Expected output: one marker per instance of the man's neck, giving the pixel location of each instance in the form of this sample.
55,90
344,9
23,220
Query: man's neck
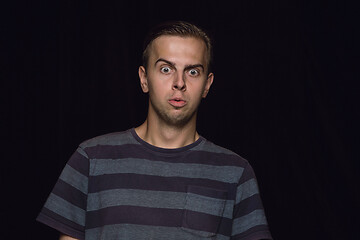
164,136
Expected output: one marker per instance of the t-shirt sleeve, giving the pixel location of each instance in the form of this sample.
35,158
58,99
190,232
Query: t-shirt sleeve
65,208
249,222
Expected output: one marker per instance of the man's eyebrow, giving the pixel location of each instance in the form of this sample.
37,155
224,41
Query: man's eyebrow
187,67
166,61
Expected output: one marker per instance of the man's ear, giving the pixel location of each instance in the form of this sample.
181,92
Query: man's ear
143,79
208,83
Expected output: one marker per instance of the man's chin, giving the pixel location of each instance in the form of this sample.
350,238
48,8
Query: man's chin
177,121
177,118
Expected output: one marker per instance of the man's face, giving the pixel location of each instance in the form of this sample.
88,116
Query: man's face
176,79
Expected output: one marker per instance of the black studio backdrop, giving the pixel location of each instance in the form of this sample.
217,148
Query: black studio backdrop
284,97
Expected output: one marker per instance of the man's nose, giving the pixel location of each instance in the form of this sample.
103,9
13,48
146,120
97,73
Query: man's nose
179,82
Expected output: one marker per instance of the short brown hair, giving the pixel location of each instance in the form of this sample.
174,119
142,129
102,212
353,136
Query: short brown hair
176,28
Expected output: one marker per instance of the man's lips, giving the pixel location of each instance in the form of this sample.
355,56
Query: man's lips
177,102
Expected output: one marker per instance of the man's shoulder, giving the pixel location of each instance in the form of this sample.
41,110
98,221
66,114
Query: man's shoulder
225,153
209,146
110,139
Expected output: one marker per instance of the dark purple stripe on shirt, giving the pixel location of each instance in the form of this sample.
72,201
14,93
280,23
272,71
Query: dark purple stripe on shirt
79,163
70,194
257,232
58,222
248,205
133,151
209,192
133,215
208,223
156,183
247,174
158,217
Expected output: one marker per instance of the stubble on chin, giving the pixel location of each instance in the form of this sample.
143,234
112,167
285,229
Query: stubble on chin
177,120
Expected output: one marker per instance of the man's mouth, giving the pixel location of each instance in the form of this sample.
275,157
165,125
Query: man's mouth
177,102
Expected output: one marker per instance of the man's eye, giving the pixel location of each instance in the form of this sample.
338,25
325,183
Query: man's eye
193,72
165,70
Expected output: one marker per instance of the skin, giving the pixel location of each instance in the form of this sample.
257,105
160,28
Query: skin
64,237
176,79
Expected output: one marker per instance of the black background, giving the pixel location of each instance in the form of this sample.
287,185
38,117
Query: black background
285,97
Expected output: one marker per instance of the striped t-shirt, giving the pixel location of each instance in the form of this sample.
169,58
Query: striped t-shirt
118,186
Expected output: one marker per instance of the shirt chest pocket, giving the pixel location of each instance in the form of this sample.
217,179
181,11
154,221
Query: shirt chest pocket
203,210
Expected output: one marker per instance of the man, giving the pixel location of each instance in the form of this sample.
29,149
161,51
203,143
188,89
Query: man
161,180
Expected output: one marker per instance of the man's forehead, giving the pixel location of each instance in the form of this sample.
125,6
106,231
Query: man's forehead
178,46
186,40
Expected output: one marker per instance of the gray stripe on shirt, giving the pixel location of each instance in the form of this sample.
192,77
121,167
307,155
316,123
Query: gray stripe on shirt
65,209
246,190
255,218
154,199
228,174
74,178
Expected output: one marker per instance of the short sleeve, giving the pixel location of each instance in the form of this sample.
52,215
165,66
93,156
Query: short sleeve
65,208
249,220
